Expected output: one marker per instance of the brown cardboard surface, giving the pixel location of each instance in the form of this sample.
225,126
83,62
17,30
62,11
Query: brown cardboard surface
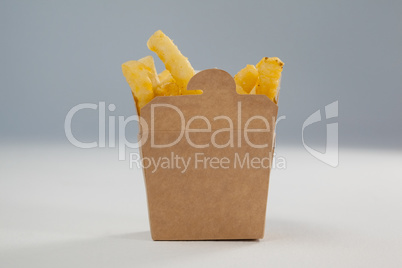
208,201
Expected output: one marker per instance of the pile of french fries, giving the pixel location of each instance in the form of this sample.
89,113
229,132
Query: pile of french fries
146,83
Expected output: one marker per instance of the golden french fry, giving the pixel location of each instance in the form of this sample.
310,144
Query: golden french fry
253,90
146,83
149,62
247,78
174,61
138,76
167,89
240,90
165,75
167,85
269,71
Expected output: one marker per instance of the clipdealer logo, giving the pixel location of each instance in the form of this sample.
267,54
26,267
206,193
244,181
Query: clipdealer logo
183,133
330,156
122,142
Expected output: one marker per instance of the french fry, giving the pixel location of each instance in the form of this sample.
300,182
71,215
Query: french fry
165,75
240,90
138,76
167,85
146,83
167,89
247,78
174,61
269,71
149,62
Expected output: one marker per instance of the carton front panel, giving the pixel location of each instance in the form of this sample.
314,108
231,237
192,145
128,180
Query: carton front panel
206,187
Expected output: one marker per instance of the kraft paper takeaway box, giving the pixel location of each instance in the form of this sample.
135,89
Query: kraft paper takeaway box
214,151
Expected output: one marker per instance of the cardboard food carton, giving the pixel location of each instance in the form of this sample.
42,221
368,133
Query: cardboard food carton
215,152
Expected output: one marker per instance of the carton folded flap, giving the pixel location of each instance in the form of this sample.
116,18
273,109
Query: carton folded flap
219,98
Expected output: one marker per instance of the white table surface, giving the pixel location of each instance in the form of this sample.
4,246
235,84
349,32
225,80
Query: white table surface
67,207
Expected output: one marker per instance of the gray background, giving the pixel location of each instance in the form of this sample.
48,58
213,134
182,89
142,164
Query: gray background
55,55
63,206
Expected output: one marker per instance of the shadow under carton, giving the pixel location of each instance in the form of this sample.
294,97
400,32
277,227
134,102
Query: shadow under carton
215,153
